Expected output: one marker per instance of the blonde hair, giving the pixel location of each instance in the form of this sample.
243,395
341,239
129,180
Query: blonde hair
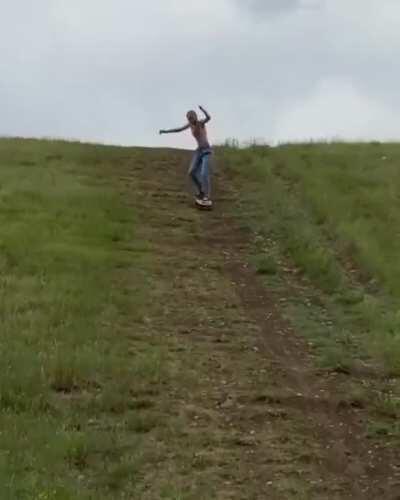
191,113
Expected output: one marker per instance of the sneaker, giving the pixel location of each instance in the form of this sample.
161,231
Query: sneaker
206,201
200,196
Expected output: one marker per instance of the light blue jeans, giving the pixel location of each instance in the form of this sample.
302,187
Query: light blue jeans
199,171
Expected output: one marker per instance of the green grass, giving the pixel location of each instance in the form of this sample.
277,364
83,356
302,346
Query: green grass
333,210
67,245
106,390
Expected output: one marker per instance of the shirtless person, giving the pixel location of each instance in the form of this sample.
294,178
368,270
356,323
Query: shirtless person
199,170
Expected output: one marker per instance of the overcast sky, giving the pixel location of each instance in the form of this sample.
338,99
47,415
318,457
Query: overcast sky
116,71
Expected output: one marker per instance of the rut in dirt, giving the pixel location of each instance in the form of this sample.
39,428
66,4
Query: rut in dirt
268,424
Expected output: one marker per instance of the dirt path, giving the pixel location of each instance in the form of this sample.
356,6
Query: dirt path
249,416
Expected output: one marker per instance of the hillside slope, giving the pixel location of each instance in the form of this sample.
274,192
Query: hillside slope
154,351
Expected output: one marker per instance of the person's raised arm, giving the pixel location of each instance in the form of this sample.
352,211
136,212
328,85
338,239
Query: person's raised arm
207,116
175,130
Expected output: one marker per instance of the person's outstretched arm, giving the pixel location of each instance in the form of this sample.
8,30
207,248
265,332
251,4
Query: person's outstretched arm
207,116
175,130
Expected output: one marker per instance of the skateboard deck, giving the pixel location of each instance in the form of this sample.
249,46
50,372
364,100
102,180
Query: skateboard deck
203,205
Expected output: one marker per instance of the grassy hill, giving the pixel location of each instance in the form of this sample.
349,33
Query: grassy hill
66,237
333,209
152,351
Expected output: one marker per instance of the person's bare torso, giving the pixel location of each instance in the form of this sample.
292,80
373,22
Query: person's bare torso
199,132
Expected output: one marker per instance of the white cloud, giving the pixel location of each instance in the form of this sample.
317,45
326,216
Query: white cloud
118,70
336,109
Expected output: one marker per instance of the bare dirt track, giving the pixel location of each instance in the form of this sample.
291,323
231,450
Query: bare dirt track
248,413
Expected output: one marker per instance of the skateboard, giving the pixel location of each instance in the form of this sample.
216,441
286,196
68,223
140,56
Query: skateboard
203,205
